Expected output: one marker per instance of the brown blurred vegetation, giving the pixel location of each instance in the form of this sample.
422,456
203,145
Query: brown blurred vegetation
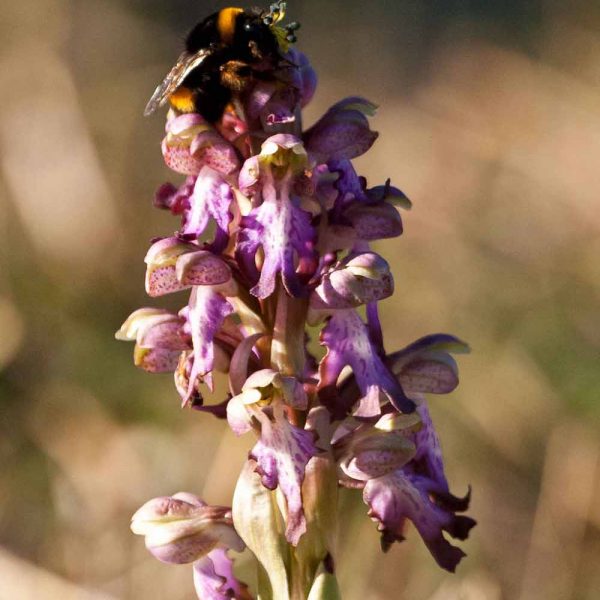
490,123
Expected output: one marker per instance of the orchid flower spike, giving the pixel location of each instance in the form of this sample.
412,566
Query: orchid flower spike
272,245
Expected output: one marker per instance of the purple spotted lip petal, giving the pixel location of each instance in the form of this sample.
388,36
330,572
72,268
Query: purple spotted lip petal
284,232
282,454
207,311
347,341
428,459
396,497
211,198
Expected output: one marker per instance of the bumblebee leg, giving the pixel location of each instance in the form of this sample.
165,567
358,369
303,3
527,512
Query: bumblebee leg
236,75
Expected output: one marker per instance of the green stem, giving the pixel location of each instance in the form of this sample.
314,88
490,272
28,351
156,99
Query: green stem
287,351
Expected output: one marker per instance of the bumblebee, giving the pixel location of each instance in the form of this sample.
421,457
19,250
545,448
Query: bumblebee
223,54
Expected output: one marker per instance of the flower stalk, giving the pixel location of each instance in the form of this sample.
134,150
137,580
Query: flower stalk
275,237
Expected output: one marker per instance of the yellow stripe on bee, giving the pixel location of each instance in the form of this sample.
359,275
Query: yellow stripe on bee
182,99
226,23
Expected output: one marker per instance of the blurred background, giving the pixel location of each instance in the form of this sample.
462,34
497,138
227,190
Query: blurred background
490,122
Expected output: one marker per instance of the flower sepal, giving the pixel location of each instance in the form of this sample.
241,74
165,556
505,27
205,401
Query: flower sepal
180,529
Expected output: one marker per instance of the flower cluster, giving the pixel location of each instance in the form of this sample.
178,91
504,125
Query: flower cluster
275,237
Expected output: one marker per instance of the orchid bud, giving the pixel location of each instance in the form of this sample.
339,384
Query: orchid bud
180,529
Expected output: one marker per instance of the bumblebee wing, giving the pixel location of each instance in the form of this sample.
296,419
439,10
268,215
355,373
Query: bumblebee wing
184,65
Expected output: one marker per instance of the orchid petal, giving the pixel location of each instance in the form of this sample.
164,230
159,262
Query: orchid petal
238,369
215,152
181,528
160,339
389,193
186,126
282,454
214,578
343,132
283,231
347,340
212,197
359,279
140,321
304,76
191,144
238,417
156,360
428,459
377,455
161,277
207,311
375,222
202,268
397,496
348,184
426,366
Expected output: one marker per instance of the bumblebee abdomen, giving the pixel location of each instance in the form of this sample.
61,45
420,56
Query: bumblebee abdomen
227,22
183,99
218,28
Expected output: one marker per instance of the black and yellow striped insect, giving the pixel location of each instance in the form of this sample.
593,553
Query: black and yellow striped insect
224,53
